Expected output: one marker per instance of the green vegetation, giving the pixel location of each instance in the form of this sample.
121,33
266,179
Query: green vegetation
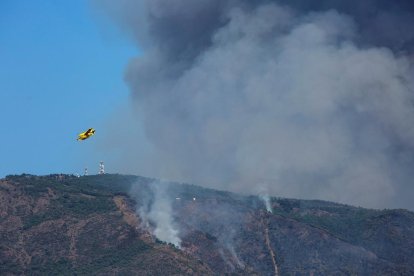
108,184
72,196
349,223
79,206
60,267
33,220
9,267
74,199
112,257
78,196
87,234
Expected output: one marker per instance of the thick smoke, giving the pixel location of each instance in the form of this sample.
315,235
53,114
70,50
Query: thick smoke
314,98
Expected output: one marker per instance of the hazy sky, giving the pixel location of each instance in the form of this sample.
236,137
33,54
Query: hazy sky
61,72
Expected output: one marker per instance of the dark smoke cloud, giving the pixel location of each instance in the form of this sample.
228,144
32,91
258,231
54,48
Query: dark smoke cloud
308,99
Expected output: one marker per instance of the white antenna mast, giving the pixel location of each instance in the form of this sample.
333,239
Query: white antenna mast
101,168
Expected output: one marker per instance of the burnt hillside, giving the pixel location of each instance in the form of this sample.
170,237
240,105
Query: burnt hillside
63,224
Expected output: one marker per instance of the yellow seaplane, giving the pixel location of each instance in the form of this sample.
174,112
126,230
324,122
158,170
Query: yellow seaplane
86,134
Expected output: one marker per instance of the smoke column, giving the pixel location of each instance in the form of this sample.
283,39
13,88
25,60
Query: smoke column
264,195
266,200
313,97
156,212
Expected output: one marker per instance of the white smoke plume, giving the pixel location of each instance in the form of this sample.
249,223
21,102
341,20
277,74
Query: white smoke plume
234,256
156,213
266,200
264,195
229,256
314,98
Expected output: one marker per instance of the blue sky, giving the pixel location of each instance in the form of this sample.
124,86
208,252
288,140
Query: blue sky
61,72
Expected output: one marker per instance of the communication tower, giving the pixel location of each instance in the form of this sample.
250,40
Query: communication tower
101,168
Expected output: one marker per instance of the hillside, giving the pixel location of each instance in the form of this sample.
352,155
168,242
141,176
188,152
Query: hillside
108,224
65,225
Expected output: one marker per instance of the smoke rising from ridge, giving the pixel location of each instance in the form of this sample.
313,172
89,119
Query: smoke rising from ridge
313,98
156,213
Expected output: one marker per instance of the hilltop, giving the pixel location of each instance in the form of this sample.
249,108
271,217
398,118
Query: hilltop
107,224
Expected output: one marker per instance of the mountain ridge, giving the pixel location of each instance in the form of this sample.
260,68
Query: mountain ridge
105,224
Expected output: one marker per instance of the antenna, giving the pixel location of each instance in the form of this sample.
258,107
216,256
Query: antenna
101,168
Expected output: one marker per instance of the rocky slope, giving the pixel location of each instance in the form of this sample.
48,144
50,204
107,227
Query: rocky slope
109,224
58,225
